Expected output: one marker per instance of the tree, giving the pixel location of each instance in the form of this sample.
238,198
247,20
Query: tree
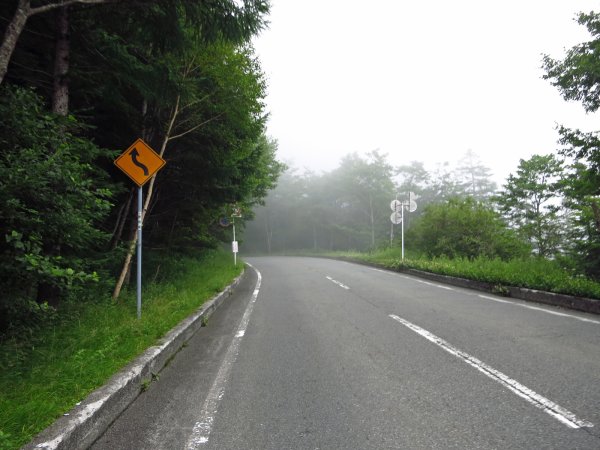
23,12
214,19
475,177
444,183
365,189
577,78
529,201
223,101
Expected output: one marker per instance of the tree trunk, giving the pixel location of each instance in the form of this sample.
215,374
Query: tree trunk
17,24
126,265
121,220
12,33
269,234
60,94
596,210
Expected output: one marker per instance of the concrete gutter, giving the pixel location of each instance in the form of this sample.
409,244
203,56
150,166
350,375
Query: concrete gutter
588,305
89,419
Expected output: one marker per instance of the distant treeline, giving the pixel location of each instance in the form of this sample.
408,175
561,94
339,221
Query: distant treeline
540,211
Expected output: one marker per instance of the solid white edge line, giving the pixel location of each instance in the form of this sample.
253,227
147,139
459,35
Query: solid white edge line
202,428
536,308
415,280
582,319
565,416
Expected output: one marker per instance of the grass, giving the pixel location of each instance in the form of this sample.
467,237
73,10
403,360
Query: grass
45,374
532,273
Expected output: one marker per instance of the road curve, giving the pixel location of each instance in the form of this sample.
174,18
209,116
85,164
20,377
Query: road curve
319,354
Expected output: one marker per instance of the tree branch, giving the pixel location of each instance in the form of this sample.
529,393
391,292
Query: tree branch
63,3
195,127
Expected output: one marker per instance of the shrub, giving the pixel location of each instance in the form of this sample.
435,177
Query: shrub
51,200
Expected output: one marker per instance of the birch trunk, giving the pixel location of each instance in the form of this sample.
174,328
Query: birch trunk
60,94
12,33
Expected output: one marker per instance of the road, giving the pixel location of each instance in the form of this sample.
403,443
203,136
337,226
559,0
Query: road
319,354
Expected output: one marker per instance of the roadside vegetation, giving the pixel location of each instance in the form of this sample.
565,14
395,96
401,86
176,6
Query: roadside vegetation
532,273
45,371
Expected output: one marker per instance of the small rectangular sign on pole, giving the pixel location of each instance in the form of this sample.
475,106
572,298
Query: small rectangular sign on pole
139,162
234,246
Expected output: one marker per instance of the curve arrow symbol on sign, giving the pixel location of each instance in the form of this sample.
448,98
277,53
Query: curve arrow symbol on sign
134,155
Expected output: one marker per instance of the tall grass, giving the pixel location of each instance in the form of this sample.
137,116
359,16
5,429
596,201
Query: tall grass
45,374
532,273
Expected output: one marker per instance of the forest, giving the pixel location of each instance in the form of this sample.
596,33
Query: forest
80,81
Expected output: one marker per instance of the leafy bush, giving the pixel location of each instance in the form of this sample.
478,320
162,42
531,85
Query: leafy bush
464,228
51,201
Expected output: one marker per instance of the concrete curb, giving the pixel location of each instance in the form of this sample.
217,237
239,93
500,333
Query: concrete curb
89,419
588,305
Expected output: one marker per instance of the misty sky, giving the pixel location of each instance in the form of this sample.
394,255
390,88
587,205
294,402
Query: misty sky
418,80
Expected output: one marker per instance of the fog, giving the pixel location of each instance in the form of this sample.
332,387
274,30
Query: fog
418,80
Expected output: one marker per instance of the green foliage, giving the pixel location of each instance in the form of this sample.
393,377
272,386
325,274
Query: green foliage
577,77
464,228
133,68
220,155
45,374
52,200
529,202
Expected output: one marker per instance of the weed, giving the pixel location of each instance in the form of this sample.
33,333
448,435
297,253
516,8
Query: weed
498,289
145,385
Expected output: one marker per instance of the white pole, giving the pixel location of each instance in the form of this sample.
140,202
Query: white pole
402,214
234,253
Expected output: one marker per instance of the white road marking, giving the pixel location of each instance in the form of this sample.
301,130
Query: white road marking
583,319
203,426
415,280
337,282
558,412
555,313
436,285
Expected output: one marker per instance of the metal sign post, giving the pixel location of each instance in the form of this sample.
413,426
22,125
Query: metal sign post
139,255
234,246
140,163
397,217
237,212
402,220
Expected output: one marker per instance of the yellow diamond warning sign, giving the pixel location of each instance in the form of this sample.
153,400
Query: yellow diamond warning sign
140,162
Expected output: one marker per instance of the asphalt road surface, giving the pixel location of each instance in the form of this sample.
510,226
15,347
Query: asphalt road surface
320,354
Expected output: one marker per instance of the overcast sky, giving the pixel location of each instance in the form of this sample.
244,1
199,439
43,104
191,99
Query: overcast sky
417,79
